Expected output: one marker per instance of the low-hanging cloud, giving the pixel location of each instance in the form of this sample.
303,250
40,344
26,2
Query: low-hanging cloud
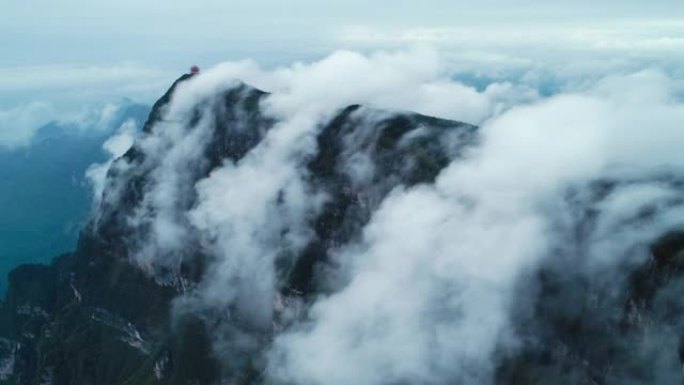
426,294
429,294
115,147
303,95
20,125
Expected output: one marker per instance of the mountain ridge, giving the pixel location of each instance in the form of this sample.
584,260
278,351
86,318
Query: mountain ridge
72,295
225,225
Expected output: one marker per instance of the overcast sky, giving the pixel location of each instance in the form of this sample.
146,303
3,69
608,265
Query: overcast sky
64,54
40,32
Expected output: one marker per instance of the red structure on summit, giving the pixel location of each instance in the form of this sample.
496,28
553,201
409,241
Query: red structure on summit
194,70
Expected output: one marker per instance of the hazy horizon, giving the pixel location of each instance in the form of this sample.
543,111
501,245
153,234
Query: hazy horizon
61,58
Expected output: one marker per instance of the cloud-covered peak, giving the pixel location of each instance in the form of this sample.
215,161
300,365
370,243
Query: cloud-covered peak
344,225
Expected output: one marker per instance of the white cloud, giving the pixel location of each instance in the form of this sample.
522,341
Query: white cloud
303,96
74,95
545,55
115,147
19,124
241,215
53,52
429,287
632,36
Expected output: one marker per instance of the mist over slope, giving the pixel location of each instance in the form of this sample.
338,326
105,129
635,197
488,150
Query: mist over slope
301,227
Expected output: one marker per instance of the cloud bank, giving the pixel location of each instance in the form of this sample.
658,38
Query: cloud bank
427,292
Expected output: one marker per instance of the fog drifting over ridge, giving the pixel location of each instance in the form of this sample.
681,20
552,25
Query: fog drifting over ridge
456,250
427,294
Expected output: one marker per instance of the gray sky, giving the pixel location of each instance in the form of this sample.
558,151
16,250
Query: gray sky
39,32
65,54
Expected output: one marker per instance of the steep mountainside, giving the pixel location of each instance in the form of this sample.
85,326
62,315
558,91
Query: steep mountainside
230,230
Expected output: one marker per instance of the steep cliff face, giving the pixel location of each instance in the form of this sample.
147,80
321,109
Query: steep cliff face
232,241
